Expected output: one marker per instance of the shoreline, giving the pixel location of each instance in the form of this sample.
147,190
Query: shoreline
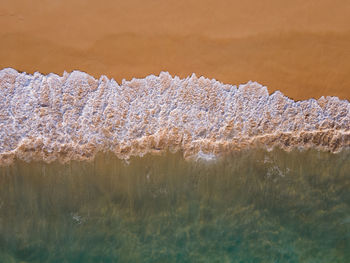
75,116
302,65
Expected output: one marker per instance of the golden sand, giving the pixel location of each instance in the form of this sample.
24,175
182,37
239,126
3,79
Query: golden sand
299,47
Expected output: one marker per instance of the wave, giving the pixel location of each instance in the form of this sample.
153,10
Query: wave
74,116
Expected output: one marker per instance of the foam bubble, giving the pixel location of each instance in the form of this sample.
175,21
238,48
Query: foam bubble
74,116
208,157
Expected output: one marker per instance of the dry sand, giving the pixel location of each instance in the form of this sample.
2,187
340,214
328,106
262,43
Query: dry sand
301,47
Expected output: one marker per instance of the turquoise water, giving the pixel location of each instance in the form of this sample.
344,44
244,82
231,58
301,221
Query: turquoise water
253,206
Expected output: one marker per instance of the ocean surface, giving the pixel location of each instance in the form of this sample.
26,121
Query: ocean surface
164,169
251,206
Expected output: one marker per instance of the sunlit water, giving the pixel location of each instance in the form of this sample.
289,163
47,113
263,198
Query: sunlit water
253,206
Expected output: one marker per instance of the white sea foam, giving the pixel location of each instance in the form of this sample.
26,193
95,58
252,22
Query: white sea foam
209,157
74,116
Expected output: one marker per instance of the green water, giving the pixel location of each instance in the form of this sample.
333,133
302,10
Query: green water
253,206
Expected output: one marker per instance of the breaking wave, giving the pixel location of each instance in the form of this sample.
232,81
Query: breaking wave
74,116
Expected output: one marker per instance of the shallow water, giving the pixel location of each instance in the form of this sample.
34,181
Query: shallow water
253,206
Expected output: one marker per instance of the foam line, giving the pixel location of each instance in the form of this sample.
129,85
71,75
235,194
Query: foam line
74,116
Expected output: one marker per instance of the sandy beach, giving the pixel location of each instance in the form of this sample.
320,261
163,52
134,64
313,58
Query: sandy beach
174,131
299,47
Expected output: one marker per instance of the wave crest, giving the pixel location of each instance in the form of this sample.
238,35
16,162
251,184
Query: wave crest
74,116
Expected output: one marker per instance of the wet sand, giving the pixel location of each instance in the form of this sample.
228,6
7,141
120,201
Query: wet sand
299,47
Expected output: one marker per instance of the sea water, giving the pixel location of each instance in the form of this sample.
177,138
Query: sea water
250,206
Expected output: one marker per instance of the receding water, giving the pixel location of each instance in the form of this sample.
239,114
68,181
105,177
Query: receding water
253,206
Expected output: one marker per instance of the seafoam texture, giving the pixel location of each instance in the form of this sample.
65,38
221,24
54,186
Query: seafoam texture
74,116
